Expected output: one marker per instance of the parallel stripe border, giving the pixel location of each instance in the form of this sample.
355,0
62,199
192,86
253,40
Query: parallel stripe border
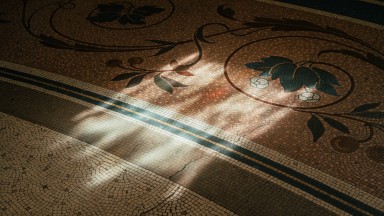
288,175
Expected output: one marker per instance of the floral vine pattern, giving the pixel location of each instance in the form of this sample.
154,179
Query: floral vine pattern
137,74
292,75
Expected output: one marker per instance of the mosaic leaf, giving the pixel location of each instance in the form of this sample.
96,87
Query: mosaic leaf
113,63
130,14
292,76
134,19
336,124
316,127
125,76
226,12
327,88
163,84
378,115
326,76
52,42
135,81
267,63
365,107
107,13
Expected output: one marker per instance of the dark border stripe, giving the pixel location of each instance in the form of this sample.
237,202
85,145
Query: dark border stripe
351,8
287,179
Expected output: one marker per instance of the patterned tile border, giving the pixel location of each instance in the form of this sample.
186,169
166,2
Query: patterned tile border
296,176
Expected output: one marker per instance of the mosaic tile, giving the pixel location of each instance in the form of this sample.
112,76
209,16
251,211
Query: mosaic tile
267,86
50,173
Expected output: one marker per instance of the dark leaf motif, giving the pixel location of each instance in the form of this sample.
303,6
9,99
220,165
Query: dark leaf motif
59,44
286,73
104,17
326,88
336,124
148,10
163,83
85,48
134,19
185,73
267,20
376,115
267,63
53,42
135,60
292,77
365,107
226,12
107,13
174,83
200,35
113,63
135,81
125,76
325,75
316,127
137,15
164,50
124,14
302,23
162,42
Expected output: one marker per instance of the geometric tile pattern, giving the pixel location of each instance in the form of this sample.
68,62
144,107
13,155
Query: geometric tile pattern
45,172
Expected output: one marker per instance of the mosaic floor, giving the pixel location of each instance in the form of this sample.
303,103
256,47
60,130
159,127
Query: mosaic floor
175,107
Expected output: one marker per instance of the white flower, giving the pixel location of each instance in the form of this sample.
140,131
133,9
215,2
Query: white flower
259,83
309,97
